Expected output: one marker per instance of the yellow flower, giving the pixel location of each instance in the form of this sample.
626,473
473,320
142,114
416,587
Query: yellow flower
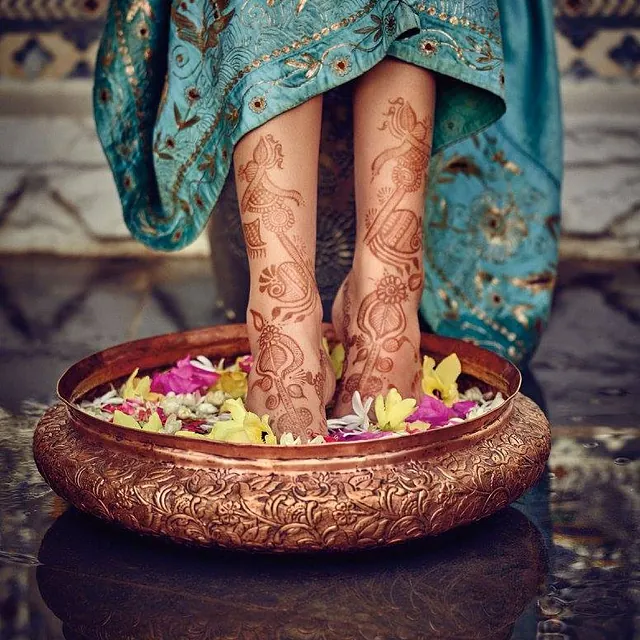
233,383
244,427
441,379
153,424
336,356
139,388
270,438
125,420
392,411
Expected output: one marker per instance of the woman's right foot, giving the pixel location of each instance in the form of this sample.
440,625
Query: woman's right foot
292,379
376,319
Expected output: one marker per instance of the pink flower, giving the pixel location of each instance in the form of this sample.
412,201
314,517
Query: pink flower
436,412
245,363
463,407
130,407
433,411
183,378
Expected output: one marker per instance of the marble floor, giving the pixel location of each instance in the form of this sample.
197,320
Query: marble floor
562,564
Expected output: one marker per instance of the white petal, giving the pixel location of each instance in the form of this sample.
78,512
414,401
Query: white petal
201,365
356,402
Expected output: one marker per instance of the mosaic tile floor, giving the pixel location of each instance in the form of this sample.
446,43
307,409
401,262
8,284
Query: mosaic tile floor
563,564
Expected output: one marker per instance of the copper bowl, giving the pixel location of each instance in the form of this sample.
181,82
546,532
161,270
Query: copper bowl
307,498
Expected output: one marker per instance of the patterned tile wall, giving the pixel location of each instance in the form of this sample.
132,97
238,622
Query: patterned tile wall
56,39
49,39
599,39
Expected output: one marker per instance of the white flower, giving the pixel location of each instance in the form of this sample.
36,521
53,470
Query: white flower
170,404
473,394
485,406
184,413
358,420
206,409
171,424
216,398
111,397
202,362
288,440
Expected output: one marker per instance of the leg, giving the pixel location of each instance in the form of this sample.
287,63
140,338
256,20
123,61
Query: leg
276,178
376,309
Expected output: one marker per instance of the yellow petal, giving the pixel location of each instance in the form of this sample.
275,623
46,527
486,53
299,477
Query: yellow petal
401,411
325,344
270,439
143,386
221,429
448,370
428,366
450,396
128,388
430,381
236,408
253,427
393,398
125,420
337,360
189,434
240,436
153,424
233,383
379,409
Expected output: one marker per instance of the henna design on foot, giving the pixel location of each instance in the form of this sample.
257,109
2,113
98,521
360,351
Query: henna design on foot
292,282
279,369
289,372
394,234
379,327
256,246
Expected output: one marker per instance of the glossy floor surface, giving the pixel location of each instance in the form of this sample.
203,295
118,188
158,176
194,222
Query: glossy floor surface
562,564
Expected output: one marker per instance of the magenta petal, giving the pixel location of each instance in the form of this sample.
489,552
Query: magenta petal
129,408
245,363
183,378
433,411
462,408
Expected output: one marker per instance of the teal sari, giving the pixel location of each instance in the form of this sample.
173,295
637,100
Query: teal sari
492,222
178,84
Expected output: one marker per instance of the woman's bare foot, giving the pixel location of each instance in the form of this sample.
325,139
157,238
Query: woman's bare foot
376,319
292,379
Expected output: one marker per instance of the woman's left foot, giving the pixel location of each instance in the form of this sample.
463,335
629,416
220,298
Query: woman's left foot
378,324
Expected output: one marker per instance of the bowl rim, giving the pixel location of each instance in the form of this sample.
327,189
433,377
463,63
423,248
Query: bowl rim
70,389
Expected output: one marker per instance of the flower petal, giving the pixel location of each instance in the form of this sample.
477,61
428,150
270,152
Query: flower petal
381,415
448,370
124,420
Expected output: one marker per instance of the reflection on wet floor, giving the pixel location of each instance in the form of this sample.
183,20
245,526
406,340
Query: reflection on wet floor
565,565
